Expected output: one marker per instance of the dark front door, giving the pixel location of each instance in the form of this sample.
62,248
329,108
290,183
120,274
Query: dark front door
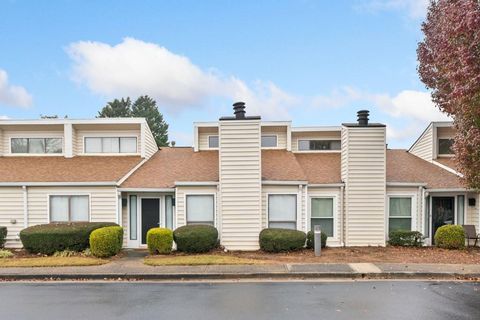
150,216
442,212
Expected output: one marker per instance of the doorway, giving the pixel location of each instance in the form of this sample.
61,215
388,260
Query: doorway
150,209
443,212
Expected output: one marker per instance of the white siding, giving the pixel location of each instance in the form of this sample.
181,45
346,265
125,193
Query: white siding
279,132
8,134
417,206
180,205
81,134
282,189
11,214
203,134
365,185
149,142
473,212
423,147
240,183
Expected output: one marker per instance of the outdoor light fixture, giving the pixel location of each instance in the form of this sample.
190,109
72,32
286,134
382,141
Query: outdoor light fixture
472,202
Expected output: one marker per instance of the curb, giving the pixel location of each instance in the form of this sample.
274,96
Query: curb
233,276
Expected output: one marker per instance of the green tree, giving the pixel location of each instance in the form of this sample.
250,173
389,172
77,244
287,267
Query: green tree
146,107
116,109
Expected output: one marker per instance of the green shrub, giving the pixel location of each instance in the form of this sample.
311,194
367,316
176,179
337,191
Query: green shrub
405,238
159,240
310,240
450,237
276,240
195,238
65,253
106,242
49,238
3,236
5,254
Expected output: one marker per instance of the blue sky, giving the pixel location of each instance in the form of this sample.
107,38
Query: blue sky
315,62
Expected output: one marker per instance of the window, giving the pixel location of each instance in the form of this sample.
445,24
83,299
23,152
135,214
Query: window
169,203
111,145
304,145
133,217
269,141
400,213
200,209
322,214
36,145
282,211
460,210
69,208
445,146
213,141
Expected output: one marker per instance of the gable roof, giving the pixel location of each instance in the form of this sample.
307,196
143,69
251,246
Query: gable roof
60,169
281,165
447,161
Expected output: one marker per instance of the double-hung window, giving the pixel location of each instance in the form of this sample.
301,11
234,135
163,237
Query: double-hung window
213,141
400,213
282,211
66,208
269,141
110,144
200,209
36,145
322,215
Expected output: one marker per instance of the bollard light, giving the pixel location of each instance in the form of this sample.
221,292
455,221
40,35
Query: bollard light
317,240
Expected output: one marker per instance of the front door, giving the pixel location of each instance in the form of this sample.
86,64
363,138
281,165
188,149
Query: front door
150,216
443,212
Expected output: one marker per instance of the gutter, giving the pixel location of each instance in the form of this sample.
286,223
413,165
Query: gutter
196,183
406,184
326,185
65,184
146,189
284,182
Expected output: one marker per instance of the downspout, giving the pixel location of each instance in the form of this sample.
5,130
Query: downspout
421,190
342,217
25,206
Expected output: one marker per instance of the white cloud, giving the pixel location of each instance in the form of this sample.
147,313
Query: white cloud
4,117
415,9
134,67
15,96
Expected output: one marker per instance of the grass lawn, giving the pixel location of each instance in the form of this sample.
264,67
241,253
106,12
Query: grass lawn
50,262
198,260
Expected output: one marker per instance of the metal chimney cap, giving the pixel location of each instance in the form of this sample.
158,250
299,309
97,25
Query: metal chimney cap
363,117
239,110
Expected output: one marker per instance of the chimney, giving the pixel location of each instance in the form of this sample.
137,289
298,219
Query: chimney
239,110
363,118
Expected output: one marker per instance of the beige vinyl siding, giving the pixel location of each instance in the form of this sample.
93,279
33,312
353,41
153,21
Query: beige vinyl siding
282,189
81,134
11,214
150,144
327,192
8,134
203,134
279,132
473,212
365,185
314,135
240,183
103,202
417,205
180,205
423,148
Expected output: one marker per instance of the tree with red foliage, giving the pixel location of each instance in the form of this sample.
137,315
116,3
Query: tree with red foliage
449,59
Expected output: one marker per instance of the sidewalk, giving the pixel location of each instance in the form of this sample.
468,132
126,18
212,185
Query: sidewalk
131,267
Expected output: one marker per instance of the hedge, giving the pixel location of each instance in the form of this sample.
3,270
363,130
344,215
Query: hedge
405,238
196,238
106,242
450,237
3,236
159,240
49,238
277,240
310,240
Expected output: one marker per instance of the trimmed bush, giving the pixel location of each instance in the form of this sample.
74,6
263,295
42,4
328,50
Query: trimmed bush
195,238
277,240
106,242
310,240
405,238
53,237
159,240
3,236
5,254
450,237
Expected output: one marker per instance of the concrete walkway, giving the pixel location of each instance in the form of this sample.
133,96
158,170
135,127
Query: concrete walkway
131,267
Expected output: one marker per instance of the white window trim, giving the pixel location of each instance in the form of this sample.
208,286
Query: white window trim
455,209
110,154
208,142
297,212
335,212
69,194
201,194
414,213
444,155
270,135
298,139
27,154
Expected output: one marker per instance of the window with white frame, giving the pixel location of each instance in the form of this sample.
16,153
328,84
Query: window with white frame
66,208
321,210
445,146
269,141
400,213
200,209
36,145
110,144
213,141
318,145
282,211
